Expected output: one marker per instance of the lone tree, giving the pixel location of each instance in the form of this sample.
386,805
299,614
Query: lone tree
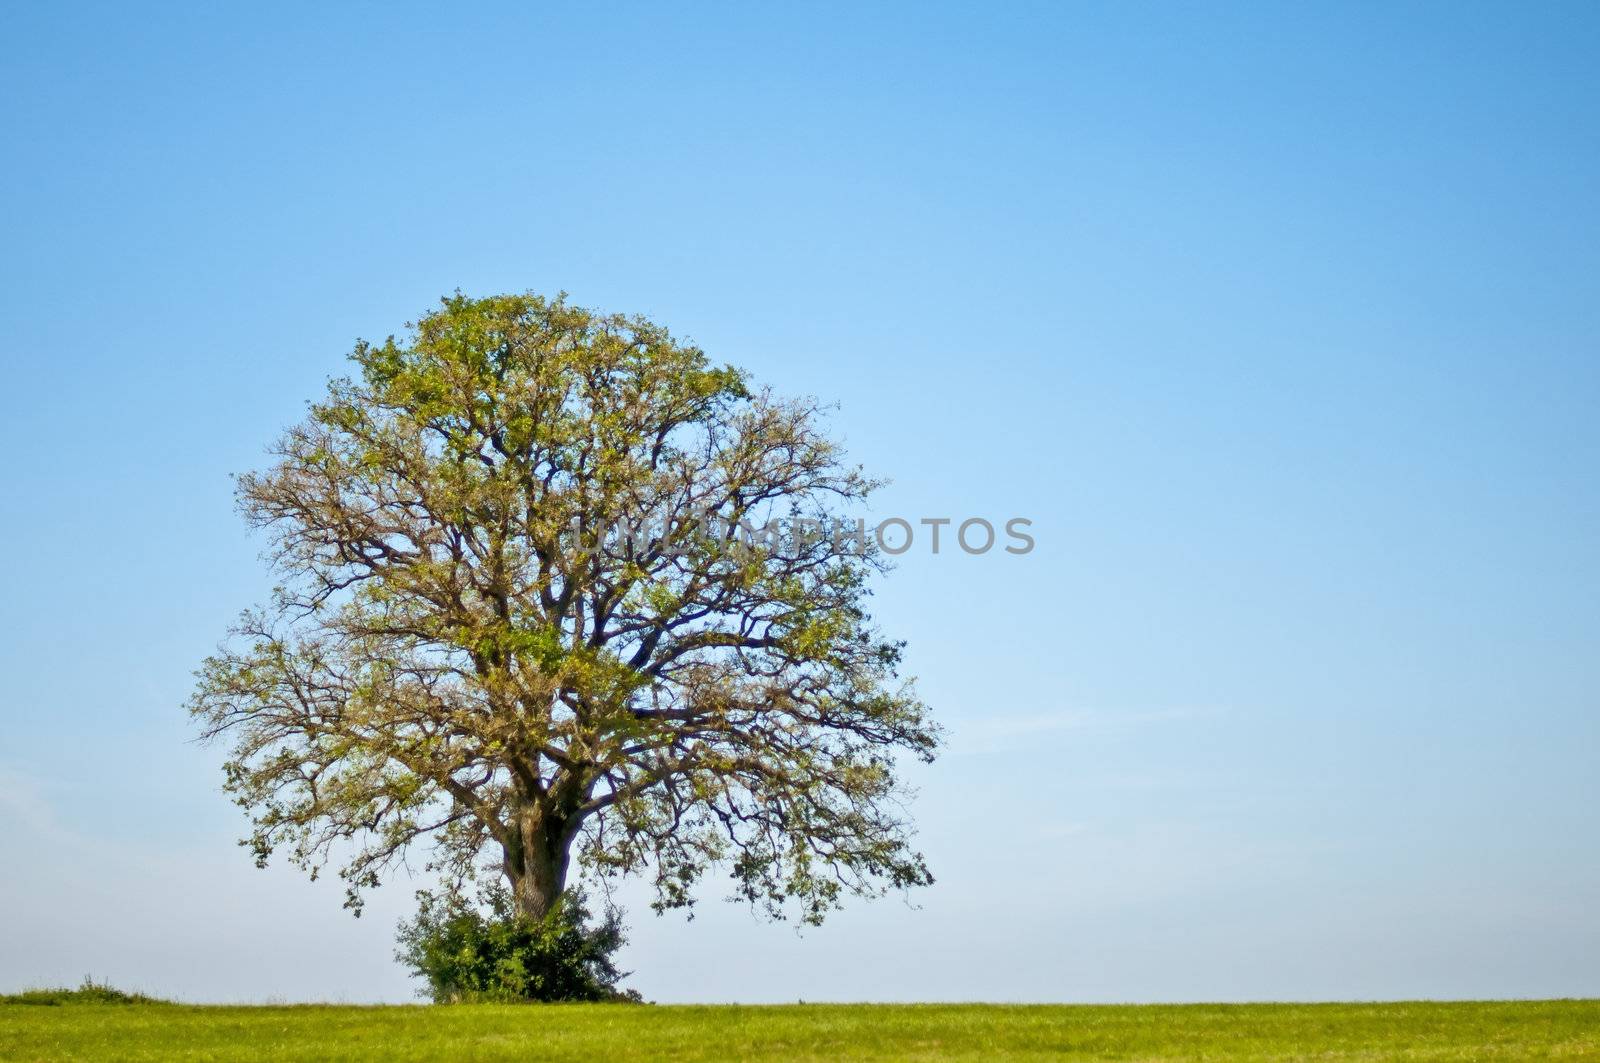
466,655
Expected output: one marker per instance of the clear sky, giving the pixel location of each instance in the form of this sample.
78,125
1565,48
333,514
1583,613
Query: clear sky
1279,321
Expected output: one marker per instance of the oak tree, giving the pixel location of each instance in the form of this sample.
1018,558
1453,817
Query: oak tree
513,624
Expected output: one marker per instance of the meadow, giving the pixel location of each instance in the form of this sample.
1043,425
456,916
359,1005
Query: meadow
70,1030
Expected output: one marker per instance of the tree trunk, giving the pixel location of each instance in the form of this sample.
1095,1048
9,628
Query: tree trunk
536,865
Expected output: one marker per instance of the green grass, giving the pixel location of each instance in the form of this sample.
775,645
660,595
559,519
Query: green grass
1565,1030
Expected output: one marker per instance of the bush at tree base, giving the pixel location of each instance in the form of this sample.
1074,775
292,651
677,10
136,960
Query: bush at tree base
485,953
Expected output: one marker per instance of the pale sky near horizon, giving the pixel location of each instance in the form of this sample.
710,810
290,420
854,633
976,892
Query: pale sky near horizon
1280,322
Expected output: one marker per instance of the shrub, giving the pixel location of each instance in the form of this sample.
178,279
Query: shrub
479,953
90,992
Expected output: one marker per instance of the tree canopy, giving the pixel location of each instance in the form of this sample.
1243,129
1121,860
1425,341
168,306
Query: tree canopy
466,657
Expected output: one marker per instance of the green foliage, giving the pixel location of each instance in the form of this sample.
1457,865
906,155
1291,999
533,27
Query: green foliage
90,992
504,631
486,953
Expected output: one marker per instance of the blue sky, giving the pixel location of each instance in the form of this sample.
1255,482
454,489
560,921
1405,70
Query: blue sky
1280,323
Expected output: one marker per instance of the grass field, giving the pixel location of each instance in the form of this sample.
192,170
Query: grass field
1422,1031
